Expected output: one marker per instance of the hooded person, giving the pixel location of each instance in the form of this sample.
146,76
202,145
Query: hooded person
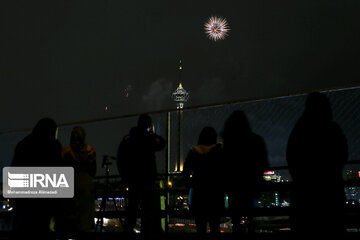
136,163
201,172
38,149
245,160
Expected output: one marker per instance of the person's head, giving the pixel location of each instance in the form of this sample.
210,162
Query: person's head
45,128
318,107
78,136
208,136
237,123
144,121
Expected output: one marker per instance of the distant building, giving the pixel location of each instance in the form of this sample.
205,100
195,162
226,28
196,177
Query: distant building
271,176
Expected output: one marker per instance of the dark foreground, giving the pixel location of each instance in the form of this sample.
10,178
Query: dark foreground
193,236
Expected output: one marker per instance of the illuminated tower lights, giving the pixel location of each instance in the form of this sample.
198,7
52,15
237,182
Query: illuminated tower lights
180,96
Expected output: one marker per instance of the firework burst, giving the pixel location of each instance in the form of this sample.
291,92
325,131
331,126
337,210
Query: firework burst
216,28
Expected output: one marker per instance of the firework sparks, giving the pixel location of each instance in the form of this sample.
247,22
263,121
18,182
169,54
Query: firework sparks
216,28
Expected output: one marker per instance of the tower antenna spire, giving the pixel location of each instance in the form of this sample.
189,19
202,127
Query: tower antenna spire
180,70
180,95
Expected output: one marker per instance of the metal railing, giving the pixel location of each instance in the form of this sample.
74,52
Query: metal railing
272,108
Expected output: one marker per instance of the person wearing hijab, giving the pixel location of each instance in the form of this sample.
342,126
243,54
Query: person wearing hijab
201,172
316,153
81,209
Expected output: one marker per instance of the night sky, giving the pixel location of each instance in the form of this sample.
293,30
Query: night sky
70,59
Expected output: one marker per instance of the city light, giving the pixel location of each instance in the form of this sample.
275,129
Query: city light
180,96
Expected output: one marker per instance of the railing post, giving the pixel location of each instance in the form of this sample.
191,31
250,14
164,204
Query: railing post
168,166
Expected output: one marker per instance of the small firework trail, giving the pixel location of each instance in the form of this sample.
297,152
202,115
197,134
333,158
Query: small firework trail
216,28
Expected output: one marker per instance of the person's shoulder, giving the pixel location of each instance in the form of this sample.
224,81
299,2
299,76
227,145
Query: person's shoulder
26,142
66,149
28,139
335,126
337,130
194,148
90,149
256,137
21,143
218,147
57,143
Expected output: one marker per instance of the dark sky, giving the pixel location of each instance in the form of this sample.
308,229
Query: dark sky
70,59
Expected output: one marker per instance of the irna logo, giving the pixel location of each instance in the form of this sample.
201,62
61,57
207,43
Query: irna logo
22,180
38,182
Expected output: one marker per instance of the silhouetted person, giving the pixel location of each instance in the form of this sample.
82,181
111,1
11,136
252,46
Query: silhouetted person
79,212
201,172
137,166
316,153
245,160
40,148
